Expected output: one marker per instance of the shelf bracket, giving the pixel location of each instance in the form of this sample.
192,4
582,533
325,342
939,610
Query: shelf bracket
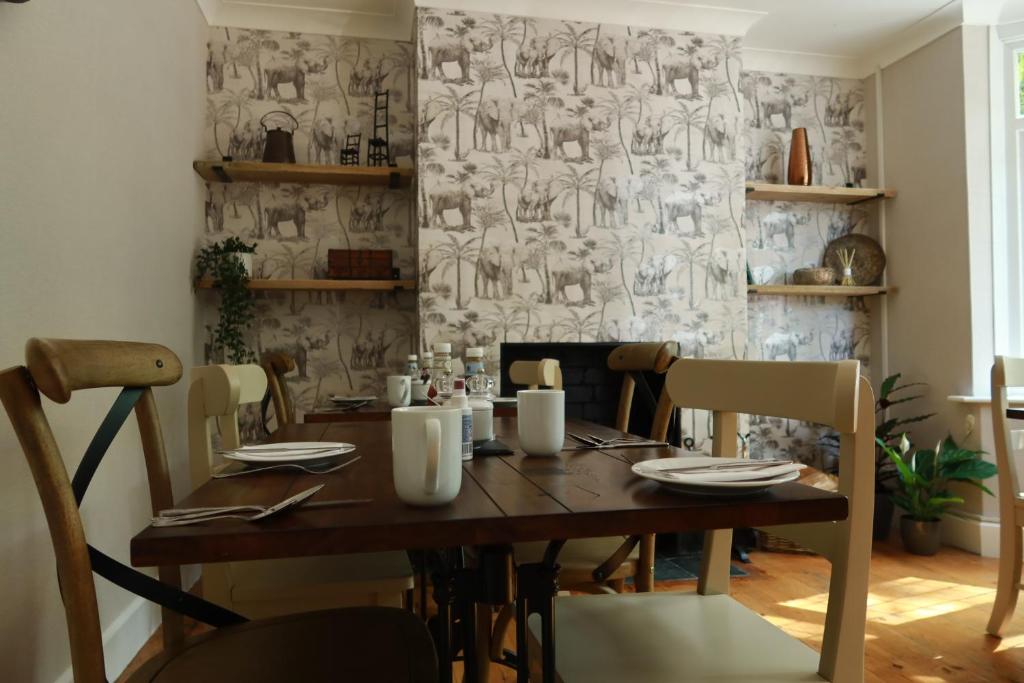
219,171
393,180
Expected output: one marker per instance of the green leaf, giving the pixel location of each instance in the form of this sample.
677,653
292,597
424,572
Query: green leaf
887,385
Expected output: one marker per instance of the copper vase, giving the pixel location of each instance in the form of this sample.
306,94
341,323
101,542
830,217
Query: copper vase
799,159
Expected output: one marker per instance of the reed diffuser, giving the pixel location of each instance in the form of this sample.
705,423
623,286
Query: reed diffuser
846,259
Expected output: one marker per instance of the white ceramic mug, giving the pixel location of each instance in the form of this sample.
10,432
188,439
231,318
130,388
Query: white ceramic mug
541,421
426,454
399,390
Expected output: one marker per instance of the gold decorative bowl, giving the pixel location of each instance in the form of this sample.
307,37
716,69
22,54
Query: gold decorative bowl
814,276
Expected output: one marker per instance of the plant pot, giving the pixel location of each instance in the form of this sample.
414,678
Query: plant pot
882,524
920,537
246,259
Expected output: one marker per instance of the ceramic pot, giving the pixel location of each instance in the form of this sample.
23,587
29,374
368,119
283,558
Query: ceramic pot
799,159
246,259
920,537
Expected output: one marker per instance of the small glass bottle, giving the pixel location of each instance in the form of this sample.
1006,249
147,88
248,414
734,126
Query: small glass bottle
474,360
441,377
412,366
427,366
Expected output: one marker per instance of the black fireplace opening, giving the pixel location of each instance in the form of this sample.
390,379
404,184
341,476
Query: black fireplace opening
591,389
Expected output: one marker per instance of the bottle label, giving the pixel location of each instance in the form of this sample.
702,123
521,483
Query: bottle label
467,436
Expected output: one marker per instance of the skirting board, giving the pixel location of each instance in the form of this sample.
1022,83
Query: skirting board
972,533
126,634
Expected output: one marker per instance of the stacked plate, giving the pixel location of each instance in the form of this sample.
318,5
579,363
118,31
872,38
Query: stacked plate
304,452
718,476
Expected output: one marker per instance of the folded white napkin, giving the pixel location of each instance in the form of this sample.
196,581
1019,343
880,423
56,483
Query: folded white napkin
730,475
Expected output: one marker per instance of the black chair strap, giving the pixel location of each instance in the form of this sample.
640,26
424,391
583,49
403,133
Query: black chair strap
119,574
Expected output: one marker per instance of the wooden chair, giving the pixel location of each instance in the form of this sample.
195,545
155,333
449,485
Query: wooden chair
276,365
1006,372
595,564
534,374
269,588
371,643
707,636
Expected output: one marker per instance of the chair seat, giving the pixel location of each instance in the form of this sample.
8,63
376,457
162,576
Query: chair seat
672,638
578,554
381,644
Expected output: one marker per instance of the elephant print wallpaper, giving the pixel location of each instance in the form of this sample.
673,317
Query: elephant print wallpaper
579,182
782,236
344,342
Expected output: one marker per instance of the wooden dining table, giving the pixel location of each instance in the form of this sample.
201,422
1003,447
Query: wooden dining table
581,492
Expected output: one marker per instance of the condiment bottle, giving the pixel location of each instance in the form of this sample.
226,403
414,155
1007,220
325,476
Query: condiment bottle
441,377
427,367
412,366
474,360
460,400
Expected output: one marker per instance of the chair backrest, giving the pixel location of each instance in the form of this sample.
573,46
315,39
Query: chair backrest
56,368
632,359
1007,372
831,394
536,373
277,365
215,393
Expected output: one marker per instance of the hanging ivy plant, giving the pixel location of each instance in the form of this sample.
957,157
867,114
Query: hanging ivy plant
219,262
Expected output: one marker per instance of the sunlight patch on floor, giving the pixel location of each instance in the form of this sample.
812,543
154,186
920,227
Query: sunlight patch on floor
911,598
1010,643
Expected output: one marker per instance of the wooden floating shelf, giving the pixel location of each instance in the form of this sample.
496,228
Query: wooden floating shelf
767,192
322,285
308,174
815,290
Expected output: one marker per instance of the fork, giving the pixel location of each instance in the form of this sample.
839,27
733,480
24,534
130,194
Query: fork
287,465
196,516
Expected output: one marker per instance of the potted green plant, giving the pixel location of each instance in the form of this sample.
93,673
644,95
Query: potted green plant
225,263
923,490
887,432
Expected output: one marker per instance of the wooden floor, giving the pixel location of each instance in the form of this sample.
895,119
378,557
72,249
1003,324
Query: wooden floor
926,616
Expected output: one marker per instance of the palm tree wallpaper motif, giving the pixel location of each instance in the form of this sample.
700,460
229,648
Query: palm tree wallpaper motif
342,342
574,187
782,237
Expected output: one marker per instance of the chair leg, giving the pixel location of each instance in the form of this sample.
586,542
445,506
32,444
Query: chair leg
714,563
644,579
1009,578
500,629
617,585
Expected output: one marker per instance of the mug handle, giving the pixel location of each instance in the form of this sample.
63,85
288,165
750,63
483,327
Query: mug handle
406,388
433,478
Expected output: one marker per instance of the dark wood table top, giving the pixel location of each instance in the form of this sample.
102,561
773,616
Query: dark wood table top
504,499
378,411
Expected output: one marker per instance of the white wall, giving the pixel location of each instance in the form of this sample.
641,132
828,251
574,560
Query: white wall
935,106
926,225
101,115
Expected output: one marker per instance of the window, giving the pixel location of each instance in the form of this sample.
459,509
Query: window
1007,84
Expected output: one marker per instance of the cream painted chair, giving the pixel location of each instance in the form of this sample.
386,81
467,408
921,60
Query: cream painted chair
707,636
534,374
268,588
1006,373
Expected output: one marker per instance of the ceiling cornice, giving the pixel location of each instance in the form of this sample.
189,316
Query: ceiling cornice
391,20
667,14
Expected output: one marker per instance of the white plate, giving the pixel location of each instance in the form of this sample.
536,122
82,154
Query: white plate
308,455
504,399
651,469
292,446
353,399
